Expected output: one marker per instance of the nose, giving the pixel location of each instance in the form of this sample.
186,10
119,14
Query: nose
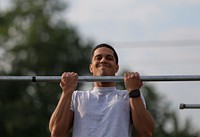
103,60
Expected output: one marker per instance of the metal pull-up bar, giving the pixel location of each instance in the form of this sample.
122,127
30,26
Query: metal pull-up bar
101,78
189,106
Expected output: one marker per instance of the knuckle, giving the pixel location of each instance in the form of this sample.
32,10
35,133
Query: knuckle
63,74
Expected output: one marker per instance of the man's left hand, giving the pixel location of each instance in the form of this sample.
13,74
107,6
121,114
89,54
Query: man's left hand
132,81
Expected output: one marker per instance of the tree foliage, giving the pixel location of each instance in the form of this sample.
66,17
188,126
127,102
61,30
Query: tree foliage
34,41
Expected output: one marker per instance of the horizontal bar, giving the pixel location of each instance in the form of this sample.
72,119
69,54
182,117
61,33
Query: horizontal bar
101,78
189,106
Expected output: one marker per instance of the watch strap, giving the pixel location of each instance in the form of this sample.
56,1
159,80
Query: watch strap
134,93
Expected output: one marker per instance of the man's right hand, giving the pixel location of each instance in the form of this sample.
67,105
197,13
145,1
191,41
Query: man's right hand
68,83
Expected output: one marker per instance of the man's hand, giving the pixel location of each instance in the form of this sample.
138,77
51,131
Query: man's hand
132,81
69,82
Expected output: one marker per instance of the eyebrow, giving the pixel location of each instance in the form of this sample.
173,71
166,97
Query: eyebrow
107,55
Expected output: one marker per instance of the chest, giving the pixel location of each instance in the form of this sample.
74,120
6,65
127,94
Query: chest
103,105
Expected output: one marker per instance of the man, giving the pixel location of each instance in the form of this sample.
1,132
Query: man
103,111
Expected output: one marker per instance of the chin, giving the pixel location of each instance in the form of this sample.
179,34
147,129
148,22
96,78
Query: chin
105,74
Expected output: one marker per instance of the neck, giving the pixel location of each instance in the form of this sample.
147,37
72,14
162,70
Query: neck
104,84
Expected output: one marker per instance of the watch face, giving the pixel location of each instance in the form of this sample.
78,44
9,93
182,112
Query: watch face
134,93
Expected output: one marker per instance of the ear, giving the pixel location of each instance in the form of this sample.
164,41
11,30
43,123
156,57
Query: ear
117,68
90,68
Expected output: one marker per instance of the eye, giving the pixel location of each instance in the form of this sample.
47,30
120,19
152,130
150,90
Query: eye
110,58
98,58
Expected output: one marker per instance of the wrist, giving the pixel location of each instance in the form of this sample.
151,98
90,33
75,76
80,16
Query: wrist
134,93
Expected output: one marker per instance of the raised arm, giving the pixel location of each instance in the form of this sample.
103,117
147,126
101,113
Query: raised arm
142,119
62,118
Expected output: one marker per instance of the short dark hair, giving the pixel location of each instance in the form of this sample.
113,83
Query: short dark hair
107,46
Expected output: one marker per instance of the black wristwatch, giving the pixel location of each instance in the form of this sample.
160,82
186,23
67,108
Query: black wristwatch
134,93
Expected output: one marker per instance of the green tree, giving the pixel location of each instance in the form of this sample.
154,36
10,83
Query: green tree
34,40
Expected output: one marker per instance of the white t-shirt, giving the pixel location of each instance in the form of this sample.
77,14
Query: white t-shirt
101,112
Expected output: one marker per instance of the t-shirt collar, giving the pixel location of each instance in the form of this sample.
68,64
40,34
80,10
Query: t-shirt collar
104,89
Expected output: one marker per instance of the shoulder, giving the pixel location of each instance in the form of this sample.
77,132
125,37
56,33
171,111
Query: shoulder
123,92
126,92
80,93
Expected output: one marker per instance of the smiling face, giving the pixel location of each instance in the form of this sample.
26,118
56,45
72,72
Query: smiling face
103,62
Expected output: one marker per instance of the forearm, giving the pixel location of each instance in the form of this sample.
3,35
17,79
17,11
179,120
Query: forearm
142,119
62,118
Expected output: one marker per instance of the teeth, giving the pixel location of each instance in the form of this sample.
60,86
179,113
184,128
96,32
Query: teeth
106,66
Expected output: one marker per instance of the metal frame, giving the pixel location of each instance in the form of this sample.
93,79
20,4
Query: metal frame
101,78
189,106
160,78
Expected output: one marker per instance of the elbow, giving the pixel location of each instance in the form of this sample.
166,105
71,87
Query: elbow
148,132
51,125
59,129
151,129
54,133
58,132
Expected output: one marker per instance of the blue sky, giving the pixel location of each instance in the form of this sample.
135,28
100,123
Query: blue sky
134,27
